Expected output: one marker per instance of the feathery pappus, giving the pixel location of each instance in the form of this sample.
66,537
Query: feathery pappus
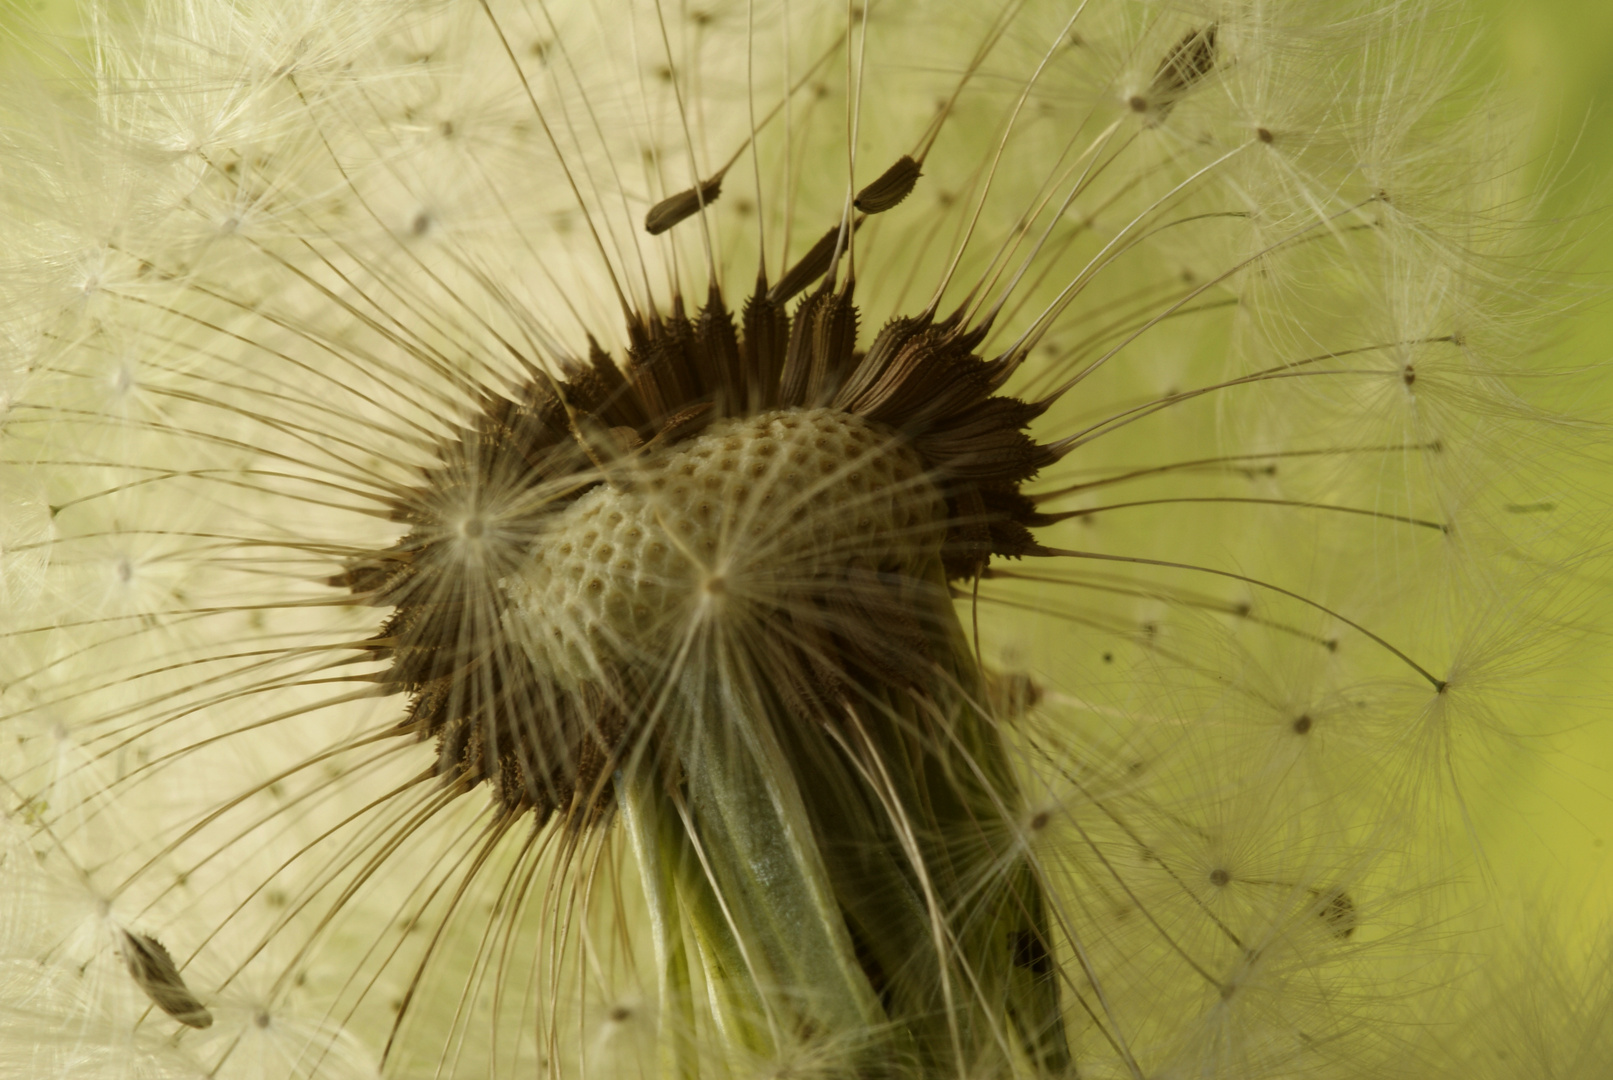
881,539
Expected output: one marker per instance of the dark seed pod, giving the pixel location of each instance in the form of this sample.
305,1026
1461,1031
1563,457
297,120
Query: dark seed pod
1337,910
893,185
674,208
154,971
1189,60
809,268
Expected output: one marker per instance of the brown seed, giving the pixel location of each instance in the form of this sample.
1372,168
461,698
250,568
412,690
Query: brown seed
154,971
1337,910
893,185
1188,61
809,268
674,208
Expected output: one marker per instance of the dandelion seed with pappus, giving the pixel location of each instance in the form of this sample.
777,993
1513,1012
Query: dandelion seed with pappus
771,539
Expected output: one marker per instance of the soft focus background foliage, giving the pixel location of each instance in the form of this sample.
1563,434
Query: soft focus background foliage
1551,828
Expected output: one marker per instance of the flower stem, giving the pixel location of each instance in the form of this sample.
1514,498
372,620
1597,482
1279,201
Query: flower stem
856,886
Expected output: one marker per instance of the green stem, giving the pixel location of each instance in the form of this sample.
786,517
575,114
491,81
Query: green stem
856,889
723,853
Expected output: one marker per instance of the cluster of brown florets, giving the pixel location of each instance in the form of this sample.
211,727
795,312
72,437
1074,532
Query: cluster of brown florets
537,449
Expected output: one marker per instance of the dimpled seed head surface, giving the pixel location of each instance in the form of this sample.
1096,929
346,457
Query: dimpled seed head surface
754,509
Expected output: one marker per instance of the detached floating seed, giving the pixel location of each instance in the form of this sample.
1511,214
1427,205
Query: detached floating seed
675,208
893,185
154,971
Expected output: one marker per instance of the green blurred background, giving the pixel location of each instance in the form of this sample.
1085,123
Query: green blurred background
1550,830
1555,59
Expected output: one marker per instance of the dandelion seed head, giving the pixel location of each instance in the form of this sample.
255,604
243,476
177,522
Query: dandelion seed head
1054,623
762,506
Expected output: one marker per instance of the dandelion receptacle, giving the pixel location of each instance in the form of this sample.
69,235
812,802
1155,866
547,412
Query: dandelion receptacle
773,539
